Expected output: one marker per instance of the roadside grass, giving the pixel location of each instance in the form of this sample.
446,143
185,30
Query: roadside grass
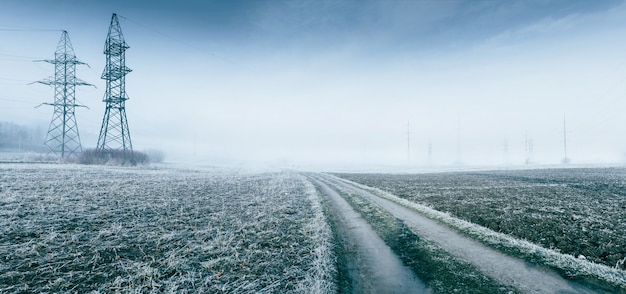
83,229
340,253
441,272
604,277
320,277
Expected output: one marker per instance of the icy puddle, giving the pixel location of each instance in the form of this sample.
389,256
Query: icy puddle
372,267
505,269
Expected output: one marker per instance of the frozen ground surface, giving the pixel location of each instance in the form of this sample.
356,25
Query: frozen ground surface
507,270
372,266
438,270
66,228
70,228
576,211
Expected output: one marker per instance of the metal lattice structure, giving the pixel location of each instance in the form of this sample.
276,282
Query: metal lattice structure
114,133
63,139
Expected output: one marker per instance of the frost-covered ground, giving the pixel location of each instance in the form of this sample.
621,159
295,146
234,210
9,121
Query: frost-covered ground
367,264
66,228
580,212
24,157
440,271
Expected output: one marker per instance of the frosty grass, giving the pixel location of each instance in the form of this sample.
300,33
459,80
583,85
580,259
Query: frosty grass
530,207
101,229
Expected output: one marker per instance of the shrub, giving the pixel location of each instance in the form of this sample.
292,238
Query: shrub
155,155
38,157
112,157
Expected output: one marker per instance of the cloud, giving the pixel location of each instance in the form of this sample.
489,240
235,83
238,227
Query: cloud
330,80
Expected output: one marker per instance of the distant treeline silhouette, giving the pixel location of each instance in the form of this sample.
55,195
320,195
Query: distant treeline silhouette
17,138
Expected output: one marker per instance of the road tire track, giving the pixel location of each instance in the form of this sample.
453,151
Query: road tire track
370,265
525,277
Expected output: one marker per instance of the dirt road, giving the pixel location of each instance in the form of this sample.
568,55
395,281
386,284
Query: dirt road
370,265
371,253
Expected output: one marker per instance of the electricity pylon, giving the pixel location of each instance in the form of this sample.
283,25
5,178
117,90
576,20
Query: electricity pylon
529,148
430,152
459,151
408,142
114,133
566,159
63,139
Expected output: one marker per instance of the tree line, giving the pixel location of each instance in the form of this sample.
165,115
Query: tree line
18,138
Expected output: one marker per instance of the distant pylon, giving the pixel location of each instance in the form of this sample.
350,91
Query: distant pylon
506,151
114,133
63,139
529,147
430,152
566,159
408,141
459,152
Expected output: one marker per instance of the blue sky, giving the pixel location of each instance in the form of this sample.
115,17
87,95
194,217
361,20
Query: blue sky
335,82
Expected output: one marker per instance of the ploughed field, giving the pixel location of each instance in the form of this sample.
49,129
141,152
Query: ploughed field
67,228
577,211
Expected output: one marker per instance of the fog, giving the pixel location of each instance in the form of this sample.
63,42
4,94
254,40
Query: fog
335,83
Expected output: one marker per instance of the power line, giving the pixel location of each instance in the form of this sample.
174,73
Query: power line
26,29
201,51
18,56
17,101
14,80
16,107
162,34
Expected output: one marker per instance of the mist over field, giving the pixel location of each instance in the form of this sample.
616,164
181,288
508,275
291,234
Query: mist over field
334,84
313,146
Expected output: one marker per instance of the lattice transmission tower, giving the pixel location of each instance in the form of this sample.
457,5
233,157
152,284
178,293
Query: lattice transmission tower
63,139
114,133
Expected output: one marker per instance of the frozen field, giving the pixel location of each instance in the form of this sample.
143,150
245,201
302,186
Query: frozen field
82,229
580,212
71,228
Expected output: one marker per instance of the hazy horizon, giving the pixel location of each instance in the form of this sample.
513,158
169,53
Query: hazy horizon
336,82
